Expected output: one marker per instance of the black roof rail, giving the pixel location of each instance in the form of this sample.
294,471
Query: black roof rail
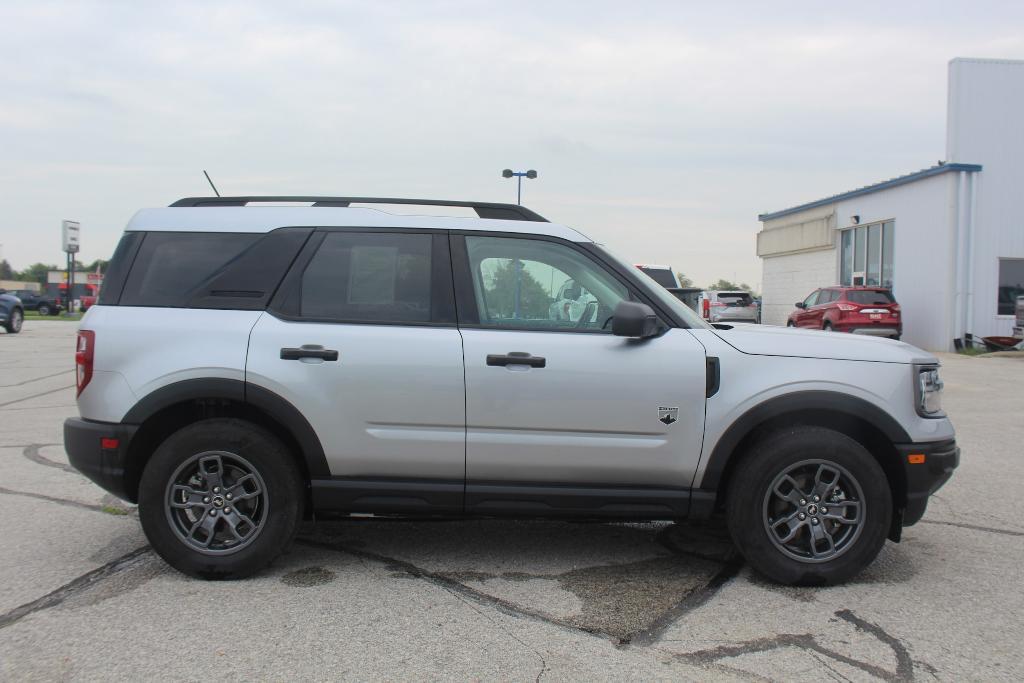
508,212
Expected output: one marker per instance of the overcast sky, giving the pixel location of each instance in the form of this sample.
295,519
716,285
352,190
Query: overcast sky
660,129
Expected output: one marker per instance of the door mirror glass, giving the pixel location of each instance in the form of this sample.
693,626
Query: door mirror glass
634,319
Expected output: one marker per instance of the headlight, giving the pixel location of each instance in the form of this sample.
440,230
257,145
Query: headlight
929,392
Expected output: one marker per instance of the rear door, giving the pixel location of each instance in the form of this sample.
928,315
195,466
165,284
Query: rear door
557,405
361,339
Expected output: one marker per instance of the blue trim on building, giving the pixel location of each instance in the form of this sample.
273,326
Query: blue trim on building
884,185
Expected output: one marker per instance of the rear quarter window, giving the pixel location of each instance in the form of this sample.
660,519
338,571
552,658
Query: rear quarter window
171,266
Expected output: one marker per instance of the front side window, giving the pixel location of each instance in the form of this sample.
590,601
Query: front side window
811,300
371,277
538,284
1011,284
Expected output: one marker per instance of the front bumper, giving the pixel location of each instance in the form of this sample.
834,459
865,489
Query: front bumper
99,450
928,476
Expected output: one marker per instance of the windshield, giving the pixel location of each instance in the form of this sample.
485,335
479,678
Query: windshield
663,296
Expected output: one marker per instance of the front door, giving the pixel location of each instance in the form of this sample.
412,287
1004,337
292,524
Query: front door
362,341
555,404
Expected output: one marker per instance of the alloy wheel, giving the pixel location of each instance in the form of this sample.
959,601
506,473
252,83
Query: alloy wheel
814,511
216,502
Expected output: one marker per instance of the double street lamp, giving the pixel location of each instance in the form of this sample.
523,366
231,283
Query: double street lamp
519,175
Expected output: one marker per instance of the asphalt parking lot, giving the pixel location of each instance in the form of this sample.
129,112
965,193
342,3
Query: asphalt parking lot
82,597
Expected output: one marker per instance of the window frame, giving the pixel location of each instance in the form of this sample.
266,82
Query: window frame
465,293
286,302
999,286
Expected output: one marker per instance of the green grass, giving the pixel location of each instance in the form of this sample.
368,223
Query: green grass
112,510
32,315
973,351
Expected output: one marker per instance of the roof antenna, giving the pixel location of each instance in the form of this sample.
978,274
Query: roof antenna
211,183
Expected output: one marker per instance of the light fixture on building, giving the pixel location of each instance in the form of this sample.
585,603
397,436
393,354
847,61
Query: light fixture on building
855,220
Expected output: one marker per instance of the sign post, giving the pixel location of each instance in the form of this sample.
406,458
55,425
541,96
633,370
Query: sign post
70,232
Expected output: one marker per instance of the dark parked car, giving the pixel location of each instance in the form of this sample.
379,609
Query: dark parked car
860,310
41,302
11,312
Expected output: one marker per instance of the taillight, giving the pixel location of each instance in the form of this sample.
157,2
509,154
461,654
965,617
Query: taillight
85,347
847,307
707,308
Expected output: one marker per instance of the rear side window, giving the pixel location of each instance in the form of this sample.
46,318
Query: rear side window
869,297
171,266
369,277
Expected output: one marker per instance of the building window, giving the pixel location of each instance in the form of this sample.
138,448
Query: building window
1011,284
866,255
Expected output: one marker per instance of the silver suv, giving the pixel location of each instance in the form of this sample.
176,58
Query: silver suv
250,366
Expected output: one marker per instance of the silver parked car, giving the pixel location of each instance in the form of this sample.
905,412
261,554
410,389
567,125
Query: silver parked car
729,307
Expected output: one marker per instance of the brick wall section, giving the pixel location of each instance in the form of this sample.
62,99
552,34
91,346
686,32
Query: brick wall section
790,278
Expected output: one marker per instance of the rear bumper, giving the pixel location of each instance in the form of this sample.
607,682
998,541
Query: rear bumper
880,331
924,479
84,442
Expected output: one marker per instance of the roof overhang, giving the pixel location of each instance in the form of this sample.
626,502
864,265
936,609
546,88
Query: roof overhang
884,185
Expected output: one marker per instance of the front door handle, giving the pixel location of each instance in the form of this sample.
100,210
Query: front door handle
309,351
516,358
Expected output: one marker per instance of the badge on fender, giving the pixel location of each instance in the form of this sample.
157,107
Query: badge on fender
668,415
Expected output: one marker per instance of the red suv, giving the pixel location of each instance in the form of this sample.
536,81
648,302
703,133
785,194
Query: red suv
860,310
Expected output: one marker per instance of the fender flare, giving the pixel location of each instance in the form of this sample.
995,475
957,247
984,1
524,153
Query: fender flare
241,392
830,401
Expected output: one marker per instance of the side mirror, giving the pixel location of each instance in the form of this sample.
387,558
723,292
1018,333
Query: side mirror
800,304
634,319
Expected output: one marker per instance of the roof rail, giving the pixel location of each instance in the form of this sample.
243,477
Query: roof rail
508,212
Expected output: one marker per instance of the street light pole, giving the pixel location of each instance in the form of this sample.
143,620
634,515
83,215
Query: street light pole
519,175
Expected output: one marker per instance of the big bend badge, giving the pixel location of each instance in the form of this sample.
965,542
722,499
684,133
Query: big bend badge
668,415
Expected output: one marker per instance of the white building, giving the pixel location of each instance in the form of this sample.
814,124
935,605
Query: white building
947,239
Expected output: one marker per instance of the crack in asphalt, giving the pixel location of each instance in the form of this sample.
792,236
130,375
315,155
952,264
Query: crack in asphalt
74,587
808,643
112,510
974,527
28,398
36,379
447,581
32,453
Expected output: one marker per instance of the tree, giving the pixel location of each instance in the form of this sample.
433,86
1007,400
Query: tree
684,281
723,284
98,263
6,272
500,293
37,272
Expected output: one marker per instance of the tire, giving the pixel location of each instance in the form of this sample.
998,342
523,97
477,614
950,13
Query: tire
751,503
14,322
251,463
44,309
790,323
827,326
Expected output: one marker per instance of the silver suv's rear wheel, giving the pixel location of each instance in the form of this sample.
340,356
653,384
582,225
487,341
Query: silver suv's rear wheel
220,499
809,505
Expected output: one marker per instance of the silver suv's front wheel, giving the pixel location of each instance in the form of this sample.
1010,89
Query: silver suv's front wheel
809,505
220,499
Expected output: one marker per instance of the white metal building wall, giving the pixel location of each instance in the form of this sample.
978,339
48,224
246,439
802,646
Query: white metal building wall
985,114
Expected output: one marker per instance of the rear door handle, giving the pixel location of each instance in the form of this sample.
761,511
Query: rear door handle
516,358
309,351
